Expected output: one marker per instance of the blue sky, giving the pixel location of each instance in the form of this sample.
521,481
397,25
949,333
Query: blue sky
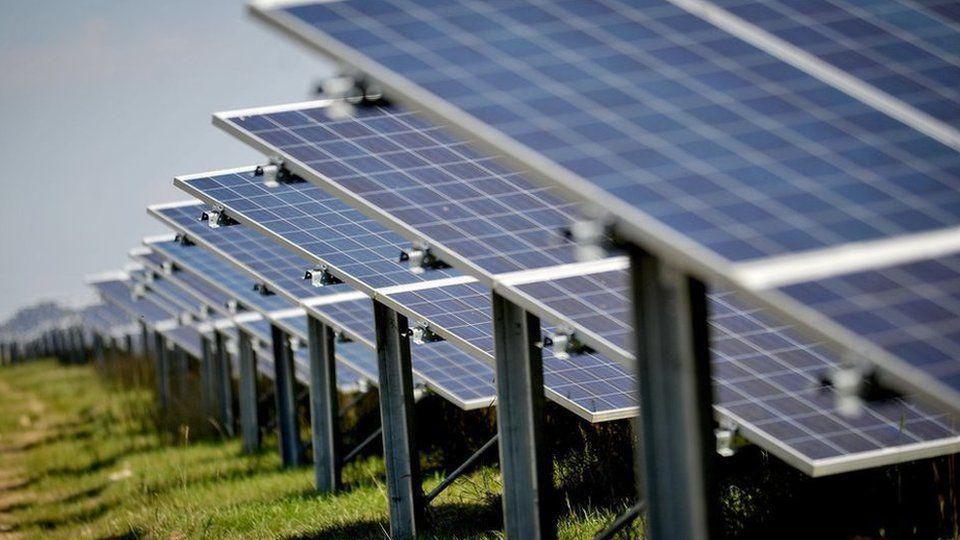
102,103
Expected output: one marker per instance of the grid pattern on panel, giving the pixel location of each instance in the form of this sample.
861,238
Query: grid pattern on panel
359,355
187,338
315,223
767,375
295,326
764,373
355,317
912,310
908,50
446,367
591,381
422,176
172,292
598,302
259,329
276,265
118,292
464,310
199,286
112,315
256,253
167,305
454,371
711,136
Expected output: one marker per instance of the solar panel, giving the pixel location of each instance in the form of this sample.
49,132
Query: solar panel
906,49
186,337
704,148
419,176
249,199
910,310
210,294
238,284
711,136
118,291
320,223
104,319
593,386
768,377
252,252
183,299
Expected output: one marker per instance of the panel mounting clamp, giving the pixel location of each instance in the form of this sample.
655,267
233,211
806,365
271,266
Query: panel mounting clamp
321,277
421,259
728,437
564,343
217,217
273,172
263,289
422,333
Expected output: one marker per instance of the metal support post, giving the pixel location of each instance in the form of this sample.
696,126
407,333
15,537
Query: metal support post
247,388
207,388
162,369
525,466
324,414
223,380
145,339
290,443
675,400
404,489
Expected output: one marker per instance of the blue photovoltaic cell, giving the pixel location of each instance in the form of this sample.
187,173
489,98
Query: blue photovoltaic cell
118,292
769,376
911,310
318,224
201,287
598,302
187,338
743,153
595,385
248,248
347,376
909,50
103,318
175,294
229,242
354,317
428,180
765,374
111,315
448,369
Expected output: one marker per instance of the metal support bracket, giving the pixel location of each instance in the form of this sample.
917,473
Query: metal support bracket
290,444
420,259
321,277
404,488
525,466
324,404
676,395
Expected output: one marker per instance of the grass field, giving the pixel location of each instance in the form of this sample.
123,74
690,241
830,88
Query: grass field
80,458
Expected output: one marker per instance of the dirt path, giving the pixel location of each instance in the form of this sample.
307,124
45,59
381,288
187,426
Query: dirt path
14,479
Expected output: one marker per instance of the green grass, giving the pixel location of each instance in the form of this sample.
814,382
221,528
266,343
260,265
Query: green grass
80,458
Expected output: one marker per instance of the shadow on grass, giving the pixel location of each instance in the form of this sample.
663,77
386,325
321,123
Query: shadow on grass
443,521
81,516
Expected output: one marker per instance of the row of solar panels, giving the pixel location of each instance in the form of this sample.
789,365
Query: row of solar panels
803,152
767,376
718,156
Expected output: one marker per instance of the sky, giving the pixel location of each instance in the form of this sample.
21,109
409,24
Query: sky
102,103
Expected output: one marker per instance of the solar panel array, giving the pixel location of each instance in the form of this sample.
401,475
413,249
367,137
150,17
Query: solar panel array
711,140
702,146
250,251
